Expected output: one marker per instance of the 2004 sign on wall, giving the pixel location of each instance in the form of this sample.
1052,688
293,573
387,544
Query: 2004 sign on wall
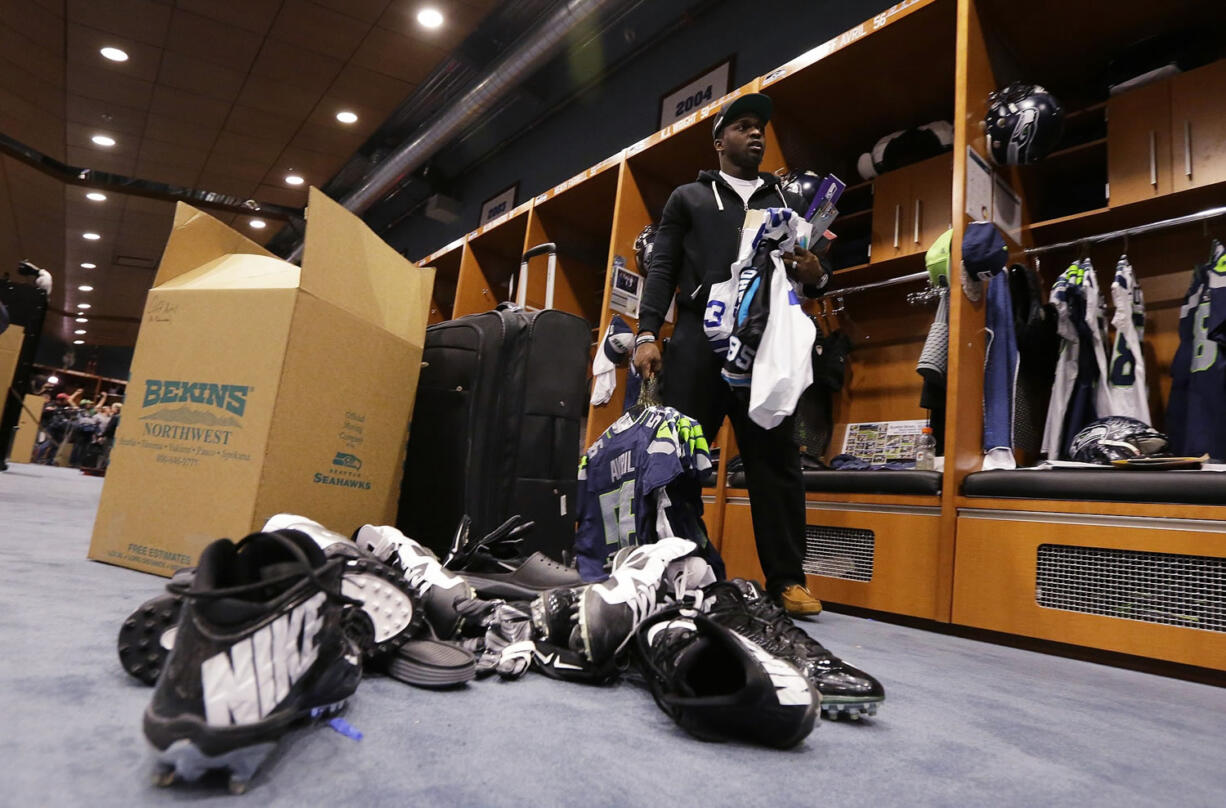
712,84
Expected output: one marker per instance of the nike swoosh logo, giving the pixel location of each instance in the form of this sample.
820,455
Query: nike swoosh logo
552,660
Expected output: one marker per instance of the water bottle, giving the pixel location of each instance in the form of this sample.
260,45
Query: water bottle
925,449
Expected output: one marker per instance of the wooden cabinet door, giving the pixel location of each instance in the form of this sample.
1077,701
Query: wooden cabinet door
1139,143
932,200
891,215
1198,127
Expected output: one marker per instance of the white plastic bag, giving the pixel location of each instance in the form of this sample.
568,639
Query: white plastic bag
783,366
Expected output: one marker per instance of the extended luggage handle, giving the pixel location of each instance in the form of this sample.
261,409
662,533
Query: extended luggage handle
519,290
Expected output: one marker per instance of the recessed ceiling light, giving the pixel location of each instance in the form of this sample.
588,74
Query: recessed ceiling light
256,224
293,179
347,117
94,196
103,140
88,265
79,331
82,319
430,17
90,236
85,288
78,342
114,54
83,306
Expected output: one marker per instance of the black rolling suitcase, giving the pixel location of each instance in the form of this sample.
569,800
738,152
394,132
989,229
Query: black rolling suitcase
496,427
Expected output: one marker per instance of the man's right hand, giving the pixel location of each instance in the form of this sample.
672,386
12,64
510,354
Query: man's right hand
647,359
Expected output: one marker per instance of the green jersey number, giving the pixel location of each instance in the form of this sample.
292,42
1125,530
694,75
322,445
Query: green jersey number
617,509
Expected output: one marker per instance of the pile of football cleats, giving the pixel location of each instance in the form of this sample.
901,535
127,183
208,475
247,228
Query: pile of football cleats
280,626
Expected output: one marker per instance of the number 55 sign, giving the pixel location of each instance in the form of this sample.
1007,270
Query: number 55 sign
712,84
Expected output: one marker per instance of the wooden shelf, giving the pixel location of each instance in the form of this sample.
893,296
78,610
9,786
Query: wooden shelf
1101,220
1101,106
875,271
1080,147
849,217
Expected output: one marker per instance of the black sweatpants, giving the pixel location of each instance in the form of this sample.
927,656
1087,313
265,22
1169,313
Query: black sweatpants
692,384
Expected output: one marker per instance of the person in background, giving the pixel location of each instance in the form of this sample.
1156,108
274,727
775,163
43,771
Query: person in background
695,245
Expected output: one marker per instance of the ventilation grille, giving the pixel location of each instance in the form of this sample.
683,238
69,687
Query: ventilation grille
1174,590
840,552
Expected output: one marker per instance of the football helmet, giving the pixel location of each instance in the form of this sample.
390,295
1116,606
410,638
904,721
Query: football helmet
1117,437
1024,123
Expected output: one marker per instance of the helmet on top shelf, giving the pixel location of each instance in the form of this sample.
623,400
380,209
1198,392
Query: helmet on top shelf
1024,123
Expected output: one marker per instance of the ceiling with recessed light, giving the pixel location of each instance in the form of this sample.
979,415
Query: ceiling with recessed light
232,97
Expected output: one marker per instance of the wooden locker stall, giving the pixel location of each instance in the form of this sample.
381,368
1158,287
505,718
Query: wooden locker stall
1133,564
577,216
629,217
490,260
873,539
446,263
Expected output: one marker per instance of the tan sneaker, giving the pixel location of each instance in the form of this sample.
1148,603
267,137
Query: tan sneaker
798,600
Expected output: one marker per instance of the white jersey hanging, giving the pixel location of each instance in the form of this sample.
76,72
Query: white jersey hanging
1096,318
1066,368
1127,378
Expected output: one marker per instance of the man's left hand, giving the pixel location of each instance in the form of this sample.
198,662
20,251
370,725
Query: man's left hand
803,266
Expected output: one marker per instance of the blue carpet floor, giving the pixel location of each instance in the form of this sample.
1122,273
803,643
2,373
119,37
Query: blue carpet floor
965,723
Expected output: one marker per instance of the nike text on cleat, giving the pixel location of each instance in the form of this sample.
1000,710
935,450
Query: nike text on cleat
261,643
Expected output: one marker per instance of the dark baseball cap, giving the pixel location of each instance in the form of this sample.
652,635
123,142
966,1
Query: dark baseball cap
984,254
755,103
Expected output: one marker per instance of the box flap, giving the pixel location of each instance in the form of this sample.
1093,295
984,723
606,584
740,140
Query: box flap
197,238
239,272
346,264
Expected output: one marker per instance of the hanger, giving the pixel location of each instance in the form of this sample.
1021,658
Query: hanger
649,396
924,296
849,326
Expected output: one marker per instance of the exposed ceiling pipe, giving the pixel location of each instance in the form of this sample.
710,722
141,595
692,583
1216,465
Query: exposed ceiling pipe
530,55
120,184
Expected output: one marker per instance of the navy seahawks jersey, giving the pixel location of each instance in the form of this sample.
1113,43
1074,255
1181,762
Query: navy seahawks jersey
1198,372
623,479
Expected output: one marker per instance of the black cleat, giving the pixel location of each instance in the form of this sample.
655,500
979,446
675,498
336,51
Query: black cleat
261,643
147,635
717,685
610,610
743,607
440,591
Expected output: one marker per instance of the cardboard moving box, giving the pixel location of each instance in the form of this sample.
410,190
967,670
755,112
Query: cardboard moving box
27,429
259,388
